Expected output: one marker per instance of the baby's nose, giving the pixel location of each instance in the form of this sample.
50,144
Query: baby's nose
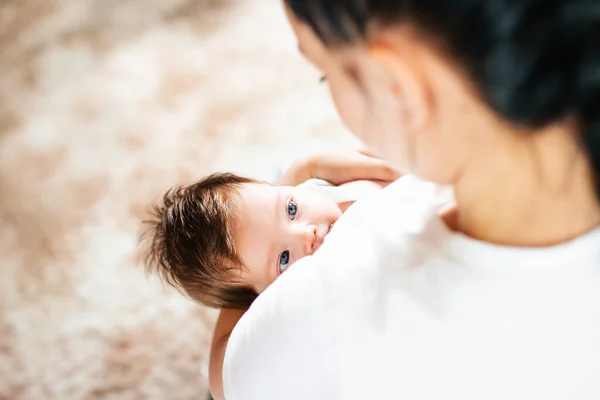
308,237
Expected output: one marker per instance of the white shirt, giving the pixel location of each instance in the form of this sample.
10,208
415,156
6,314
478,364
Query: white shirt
395,306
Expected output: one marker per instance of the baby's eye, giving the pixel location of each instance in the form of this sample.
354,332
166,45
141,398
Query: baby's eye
284,260
292,209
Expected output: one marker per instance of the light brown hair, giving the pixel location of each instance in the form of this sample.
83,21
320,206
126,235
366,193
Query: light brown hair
191,244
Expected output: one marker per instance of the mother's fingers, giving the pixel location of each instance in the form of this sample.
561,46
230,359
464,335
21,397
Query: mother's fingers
383,184
338,167
367,152
371,168
384,171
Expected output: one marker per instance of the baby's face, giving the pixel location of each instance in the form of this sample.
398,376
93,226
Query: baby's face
278,225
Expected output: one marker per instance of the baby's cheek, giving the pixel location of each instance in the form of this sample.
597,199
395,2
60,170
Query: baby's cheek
336,216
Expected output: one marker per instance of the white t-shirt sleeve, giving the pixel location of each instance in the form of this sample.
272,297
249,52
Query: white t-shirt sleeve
279,349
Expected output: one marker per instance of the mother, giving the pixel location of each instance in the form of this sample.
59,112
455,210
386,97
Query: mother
499,298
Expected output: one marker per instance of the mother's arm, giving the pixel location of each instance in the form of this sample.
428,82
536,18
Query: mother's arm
227,320
338,167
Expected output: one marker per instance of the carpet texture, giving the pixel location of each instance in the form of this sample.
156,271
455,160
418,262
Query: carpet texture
104,104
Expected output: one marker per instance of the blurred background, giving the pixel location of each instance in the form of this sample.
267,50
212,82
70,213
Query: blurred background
105,104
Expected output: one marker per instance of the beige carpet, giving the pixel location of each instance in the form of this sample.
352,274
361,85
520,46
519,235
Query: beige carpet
104,104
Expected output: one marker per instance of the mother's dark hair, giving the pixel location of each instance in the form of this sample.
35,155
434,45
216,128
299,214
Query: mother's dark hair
535,62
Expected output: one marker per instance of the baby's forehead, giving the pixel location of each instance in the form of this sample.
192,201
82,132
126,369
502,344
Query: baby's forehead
258,203
257,194
258,221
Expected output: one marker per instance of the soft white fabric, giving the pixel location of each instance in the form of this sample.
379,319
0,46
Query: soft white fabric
394,306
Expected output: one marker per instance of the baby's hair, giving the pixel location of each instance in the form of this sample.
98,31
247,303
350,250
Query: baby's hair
191,244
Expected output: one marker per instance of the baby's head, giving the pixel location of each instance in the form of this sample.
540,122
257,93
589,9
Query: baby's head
224,239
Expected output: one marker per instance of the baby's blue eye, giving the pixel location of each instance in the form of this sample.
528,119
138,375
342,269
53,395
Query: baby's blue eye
284,260
292,209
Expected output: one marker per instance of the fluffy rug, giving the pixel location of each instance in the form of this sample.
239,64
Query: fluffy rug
104,104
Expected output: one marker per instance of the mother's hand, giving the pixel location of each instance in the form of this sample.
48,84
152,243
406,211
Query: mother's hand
340,166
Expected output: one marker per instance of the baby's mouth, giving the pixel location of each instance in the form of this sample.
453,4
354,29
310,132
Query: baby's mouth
318,241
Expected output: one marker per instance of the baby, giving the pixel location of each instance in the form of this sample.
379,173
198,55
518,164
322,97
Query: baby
226,238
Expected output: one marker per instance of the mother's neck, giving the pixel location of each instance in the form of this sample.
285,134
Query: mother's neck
535,191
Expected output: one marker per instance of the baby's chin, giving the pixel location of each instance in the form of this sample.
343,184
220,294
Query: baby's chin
328,230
